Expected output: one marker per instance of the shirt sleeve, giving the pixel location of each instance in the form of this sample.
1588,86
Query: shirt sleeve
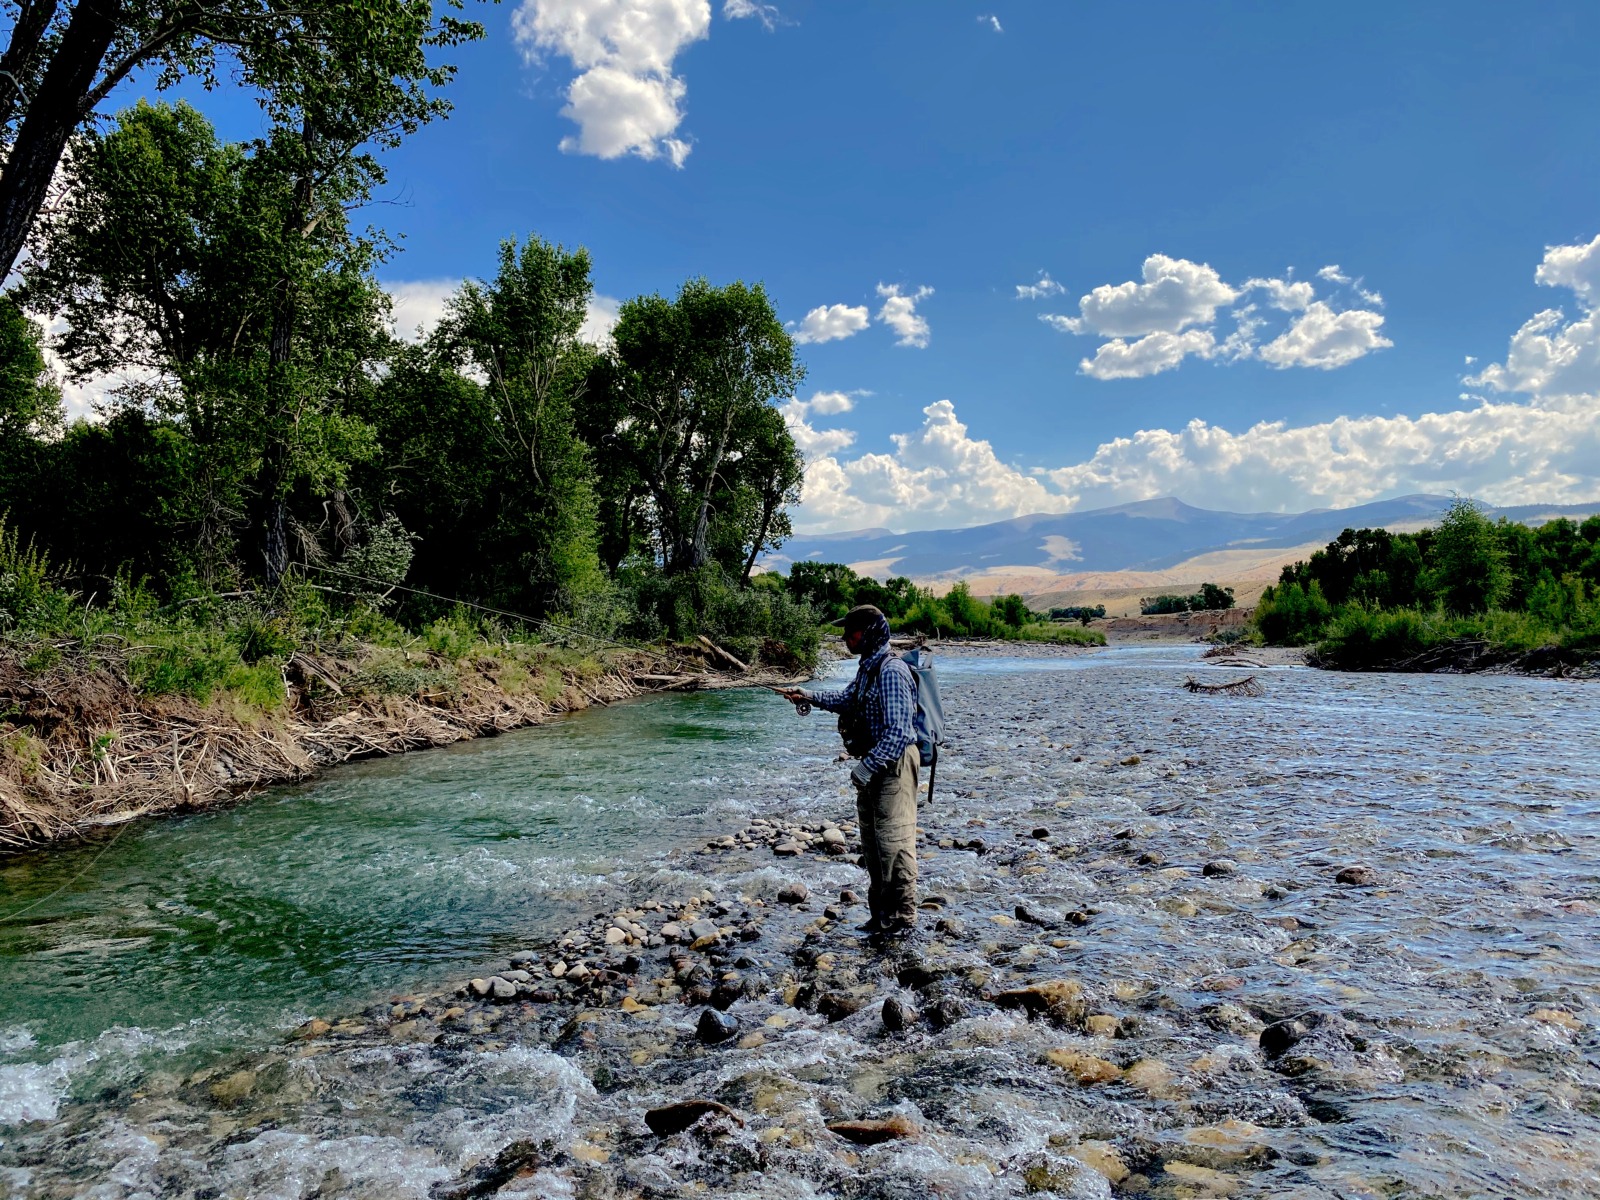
898,692
830,700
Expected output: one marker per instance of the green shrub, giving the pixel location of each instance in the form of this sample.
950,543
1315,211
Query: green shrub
1292,615
1064,635
1364,639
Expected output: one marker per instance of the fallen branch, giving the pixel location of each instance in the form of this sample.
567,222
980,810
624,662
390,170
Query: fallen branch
719,652
1248,686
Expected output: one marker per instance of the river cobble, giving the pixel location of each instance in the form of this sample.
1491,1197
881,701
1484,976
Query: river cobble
1326,942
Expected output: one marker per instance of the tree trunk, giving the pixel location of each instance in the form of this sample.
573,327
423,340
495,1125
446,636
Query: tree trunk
280,344
699,554
53,112
17,62
768,510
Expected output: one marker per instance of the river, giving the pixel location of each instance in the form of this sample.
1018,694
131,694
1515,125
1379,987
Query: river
1461,987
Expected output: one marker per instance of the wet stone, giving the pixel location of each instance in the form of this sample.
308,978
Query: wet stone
871,1133
1220,868
714,1027
675,1118
897,1016
1357,876
1087,1069
786,849
793,893
1045,918
835,1006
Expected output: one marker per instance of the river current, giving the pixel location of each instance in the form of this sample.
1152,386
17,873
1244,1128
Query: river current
1458,982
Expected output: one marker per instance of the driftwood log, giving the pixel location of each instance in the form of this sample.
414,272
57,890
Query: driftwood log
1248,686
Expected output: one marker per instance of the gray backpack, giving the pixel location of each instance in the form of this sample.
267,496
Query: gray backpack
929,720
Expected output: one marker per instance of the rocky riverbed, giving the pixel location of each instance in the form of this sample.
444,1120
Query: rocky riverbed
1318,943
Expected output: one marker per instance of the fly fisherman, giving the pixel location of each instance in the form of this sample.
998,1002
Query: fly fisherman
876,719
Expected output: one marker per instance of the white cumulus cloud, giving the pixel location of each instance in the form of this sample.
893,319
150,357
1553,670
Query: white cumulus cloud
418,305
936,476
1289,295
992,21
1541,448
830,322
1172,294
1320,337
1150,355
1172,313
830,404
1551,356
625,99
899,313
814,443
736,10
1576,267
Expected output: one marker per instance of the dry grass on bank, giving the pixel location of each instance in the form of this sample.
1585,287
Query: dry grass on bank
84,744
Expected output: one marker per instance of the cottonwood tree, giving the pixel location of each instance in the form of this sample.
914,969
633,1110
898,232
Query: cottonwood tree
691,375
248,320
63,60
520,333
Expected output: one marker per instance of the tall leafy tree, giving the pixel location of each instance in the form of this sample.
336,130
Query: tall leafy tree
1468,572
250,318
520,333
692,374
64,59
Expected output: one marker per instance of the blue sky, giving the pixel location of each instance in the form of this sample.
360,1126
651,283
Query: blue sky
1304,215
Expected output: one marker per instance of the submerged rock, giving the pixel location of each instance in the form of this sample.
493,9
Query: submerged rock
675,1118
1085,1068
1045,918
897,1016
836,1006
870,1133
1357,876
1061,999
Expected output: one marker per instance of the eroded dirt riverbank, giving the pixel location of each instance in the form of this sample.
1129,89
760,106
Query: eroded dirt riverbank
1339,940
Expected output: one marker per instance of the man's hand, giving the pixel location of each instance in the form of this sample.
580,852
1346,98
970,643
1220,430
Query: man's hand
861,775
797,698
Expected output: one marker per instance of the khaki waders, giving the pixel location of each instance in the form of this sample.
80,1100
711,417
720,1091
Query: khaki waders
887,809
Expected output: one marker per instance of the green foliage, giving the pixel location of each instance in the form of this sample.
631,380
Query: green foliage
761,622
1372,598
1467,570
27,597
681,415
276,423
1291,614
1012,610
1210,597
1063,635
1080,613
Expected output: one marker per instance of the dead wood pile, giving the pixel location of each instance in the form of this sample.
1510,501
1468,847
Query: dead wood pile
1248,686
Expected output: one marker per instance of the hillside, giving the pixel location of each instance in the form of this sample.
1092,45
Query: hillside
1110,555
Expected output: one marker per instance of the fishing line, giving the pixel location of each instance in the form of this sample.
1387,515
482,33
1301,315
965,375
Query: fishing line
551,626
11,916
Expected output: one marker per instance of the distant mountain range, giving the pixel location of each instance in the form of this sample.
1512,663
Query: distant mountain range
1151,535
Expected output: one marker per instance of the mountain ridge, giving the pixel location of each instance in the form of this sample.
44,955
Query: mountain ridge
1143,535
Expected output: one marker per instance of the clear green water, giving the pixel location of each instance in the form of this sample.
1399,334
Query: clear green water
225,927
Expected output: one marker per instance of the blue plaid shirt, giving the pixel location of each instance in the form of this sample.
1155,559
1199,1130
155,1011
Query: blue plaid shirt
890,707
